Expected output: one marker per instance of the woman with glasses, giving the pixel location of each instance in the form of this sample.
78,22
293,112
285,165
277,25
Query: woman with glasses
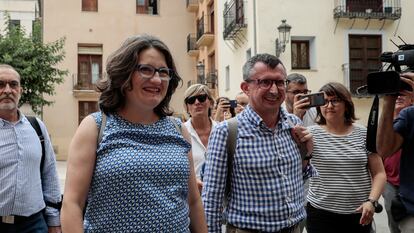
351,179
198,103
139,175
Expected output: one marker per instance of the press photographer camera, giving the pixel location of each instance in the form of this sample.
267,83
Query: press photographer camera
388,81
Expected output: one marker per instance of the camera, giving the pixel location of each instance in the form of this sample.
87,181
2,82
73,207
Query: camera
388,81
233,103
315,99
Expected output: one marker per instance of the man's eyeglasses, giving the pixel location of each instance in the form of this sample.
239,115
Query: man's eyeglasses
268,83
13,84
295,92
334,102
148,72
192,99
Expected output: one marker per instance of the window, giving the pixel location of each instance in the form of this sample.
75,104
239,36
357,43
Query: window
364,53
14,23
89,5
300,54
89,66
364,6
149,7
86,108
211,17
248,54
227,78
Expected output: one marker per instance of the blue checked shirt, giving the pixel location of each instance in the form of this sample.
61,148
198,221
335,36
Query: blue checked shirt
22,192
267,191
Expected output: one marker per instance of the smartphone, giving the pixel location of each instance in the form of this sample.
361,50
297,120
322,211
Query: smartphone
315,99
233,103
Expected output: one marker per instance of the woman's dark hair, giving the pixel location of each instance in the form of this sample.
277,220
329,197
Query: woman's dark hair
232,110
120,69
340,91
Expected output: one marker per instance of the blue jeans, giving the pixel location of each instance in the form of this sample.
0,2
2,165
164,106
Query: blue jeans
389,193
33,224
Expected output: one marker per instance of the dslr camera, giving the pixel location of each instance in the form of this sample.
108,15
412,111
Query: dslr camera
388,81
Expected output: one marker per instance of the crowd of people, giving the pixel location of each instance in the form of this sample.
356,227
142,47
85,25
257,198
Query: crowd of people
132,167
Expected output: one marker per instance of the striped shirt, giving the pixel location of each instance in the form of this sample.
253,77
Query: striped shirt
22,192
344,182
267,179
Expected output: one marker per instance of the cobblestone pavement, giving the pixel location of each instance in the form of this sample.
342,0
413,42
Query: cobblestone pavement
380,219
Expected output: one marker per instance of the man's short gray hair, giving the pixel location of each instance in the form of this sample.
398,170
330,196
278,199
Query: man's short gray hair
268,59
9,67
296,78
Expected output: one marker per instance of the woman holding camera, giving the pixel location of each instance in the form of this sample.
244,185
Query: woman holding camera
351,179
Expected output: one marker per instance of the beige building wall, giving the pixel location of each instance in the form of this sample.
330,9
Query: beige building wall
328,38
110,26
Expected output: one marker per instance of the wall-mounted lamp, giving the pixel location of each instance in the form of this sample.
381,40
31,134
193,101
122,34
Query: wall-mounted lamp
284,36
201,72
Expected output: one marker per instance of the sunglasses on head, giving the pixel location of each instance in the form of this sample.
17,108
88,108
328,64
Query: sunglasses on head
200,98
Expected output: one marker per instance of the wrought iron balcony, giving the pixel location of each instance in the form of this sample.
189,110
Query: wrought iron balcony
368,9
205,36
85,82
192,48
211,79
234,20
192,5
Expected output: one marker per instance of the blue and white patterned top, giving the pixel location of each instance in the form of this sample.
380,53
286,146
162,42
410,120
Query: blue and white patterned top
140,182
267,180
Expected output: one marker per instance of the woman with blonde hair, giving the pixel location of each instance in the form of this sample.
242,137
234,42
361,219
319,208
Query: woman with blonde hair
198,102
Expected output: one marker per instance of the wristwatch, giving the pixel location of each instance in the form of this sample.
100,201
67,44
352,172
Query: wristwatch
373,202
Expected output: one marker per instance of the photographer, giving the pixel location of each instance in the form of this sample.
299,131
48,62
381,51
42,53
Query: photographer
400,135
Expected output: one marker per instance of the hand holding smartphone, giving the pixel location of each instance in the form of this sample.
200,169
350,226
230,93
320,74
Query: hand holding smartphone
315,99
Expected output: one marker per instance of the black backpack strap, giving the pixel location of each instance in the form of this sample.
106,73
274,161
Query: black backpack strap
231,148
35,124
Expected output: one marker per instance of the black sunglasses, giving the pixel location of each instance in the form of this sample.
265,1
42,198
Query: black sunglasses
200,98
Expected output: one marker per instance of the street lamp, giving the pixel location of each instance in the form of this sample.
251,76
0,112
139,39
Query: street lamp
284,35
200,72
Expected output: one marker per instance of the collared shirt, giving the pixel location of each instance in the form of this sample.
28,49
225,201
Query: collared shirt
267,180
22,192
198,149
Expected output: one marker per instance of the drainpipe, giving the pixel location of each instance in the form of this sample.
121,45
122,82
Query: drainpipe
254,29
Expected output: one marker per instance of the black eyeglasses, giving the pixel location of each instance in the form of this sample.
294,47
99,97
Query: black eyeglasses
295,92
334,102
268,83
13,84
148,72
192,99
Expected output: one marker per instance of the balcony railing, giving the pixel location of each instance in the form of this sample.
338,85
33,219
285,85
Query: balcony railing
192,5
205,36
211,79
85,82
192,48
373,9
234,19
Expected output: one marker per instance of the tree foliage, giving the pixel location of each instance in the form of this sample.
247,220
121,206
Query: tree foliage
35,61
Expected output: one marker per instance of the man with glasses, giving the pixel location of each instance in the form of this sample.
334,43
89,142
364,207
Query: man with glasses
266,176
296,85
25,186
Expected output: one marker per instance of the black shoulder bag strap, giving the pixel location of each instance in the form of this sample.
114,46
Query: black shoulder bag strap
231,149
371,143
35,124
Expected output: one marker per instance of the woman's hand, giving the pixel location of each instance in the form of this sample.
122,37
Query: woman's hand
367,209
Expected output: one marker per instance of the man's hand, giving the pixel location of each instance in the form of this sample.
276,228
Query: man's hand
54,230
300,106
303,138
409,79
